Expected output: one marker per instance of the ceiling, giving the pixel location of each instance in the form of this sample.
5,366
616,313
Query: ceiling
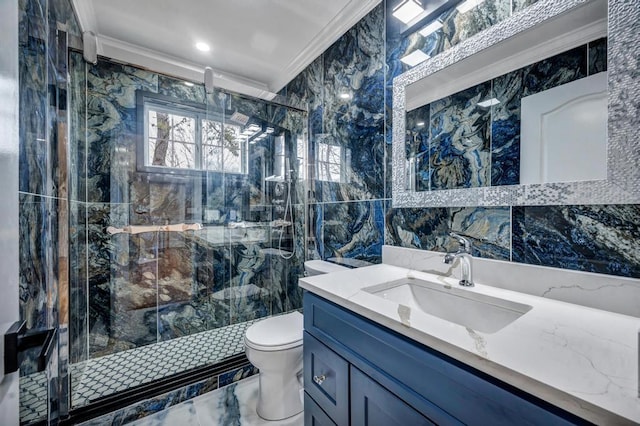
257,46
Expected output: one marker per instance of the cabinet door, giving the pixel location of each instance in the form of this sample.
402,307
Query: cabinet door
313,414
326,379
373,405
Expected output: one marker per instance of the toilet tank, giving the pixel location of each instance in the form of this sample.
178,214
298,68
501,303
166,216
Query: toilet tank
318,267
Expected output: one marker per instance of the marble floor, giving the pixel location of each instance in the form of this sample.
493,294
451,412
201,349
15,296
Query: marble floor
234,404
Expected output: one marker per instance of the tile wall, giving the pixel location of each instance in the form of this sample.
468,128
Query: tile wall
344,219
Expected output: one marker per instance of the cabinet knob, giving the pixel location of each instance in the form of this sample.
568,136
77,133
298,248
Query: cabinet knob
319,379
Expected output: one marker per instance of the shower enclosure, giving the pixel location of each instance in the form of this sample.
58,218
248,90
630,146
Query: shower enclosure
186,225
150,151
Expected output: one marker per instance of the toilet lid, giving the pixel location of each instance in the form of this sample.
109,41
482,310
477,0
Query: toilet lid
276,332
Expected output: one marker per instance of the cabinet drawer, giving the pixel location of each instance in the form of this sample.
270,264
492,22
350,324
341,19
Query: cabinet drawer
313,415
326,379
373,405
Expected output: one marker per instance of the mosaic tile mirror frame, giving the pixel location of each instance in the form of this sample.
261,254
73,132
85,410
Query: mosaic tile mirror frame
623,174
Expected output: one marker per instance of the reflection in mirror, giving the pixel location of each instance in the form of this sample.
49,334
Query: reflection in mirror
517,127
544,46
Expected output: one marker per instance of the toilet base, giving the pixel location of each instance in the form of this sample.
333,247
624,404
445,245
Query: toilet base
278,397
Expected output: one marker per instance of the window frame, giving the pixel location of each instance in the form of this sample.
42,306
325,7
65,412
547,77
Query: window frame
146,101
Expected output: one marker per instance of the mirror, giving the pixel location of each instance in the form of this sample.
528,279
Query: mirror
487,123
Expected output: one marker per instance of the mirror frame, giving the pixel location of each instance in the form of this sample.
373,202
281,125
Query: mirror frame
622,185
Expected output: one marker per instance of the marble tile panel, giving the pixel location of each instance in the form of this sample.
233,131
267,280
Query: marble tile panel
354,230
505,129
307,89
250,291
77,130
119,83
552,72
425,228
79,280
488,229
597,56
460,140
362,158
122,294
354,66
35,155
38,251
177,89
62,11
585,238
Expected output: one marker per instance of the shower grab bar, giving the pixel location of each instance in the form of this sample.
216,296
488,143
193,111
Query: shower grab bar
135,229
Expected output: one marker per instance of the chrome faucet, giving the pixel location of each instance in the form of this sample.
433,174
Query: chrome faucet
464,254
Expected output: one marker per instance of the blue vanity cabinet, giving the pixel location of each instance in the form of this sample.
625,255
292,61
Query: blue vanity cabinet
358,372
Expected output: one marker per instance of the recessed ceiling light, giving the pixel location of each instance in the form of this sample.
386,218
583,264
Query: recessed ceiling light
188,83
407,10
420,124
413,59
488,103
468,5
203,47
345,96
431,28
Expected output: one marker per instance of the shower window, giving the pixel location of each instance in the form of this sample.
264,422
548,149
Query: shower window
181,139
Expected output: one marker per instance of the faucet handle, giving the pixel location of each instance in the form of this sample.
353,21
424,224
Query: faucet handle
463,241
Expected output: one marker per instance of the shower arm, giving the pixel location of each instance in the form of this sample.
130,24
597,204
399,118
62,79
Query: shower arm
134,229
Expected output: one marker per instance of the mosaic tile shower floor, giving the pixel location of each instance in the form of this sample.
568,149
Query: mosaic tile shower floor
110,374
231,405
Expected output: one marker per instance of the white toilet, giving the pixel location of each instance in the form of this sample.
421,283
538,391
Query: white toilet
274,346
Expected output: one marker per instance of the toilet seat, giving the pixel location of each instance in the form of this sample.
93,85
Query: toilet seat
276,333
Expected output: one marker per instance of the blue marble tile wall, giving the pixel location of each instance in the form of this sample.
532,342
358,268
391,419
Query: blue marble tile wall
344,91
43,184
44,188
152,287
341,225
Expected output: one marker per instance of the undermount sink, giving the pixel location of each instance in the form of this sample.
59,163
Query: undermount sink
479,312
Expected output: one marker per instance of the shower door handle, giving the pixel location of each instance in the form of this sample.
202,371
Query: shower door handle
17,339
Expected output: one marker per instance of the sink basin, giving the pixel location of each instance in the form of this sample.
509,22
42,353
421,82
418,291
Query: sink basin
479,312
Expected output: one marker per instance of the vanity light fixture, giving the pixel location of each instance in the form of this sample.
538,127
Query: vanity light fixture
466,6
414,58
407,10
488,103
431,28
203,47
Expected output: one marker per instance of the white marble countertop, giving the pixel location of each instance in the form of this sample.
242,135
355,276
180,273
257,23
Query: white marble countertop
581,359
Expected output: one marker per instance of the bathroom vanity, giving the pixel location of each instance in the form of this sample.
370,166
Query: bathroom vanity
371,358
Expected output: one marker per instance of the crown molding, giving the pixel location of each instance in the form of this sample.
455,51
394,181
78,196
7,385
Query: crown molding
355,10
166,64
86,15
